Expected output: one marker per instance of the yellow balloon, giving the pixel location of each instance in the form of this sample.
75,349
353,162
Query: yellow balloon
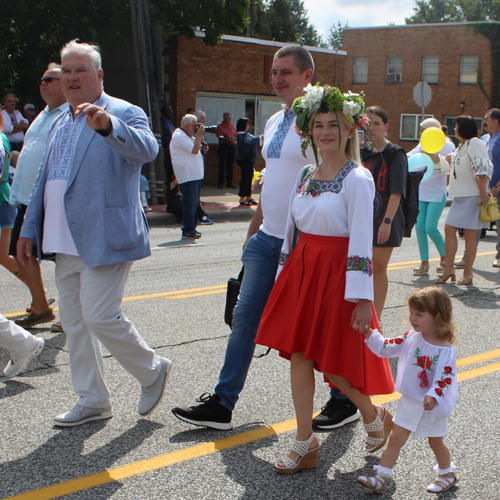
255,176
432,140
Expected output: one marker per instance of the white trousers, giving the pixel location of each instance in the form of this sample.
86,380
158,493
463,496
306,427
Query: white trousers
15,339
90,309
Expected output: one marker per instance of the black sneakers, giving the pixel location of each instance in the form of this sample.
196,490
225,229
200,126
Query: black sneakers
336,413
210,413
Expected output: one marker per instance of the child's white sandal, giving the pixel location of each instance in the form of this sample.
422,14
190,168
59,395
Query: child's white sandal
446,479
377,482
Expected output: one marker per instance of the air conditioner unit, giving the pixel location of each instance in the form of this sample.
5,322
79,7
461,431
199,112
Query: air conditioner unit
393,78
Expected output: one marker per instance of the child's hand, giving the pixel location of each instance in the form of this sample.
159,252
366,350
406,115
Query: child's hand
429,403
368,333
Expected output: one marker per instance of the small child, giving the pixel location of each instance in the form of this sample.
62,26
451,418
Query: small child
427,381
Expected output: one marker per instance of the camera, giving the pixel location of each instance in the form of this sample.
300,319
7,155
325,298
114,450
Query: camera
198,125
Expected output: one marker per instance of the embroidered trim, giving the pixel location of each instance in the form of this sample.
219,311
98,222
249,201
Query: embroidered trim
283,258
276,144
397,341
357,263
481,166
315,187
445,381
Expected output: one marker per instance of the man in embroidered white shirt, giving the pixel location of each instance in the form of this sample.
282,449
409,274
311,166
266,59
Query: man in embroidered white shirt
95,230
14,123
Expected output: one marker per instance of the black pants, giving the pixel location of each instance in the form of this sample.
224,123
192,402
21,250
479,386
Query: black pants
227,155
246,177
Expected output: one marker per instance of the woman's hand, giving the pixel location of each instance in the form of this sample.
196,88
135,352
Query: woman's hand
384,231
362,316
484,195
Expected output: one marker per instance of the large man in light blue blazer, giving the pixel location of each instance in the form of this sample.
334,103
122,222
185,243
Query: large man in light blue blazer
85,209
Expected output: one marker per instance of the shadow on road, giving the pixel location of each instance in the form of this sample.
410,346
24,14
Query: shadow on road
63,457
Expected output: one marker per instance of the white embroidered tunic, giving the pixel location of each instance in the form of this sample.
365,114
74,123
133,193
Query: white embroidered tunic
423,369
340,207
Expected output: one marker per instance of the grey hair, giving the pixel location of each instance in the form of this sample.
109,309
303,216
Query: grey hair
93,51
189,120
199,113
302,58
8,94
54,67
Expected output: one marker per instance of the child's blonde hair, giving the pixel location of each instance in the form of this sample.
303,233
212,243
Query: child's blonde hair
437,303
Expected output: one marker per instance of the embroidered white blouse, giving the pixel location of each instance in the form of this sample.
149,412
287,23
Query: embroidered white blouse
423,369
339,207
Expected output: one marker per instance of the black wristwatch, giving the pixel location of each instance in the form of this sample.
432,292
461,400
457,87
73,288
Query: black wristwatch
387,220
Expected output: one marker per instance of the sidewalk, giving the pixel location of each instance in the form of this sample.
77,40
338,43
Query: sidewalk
221,205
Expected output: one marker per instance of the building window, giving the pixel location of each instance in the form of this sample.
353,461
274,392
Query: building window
468,69
360,70
430,69
394,70
410,126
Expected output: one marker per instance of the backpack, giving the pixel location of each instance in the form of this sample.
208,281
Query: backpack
247,150
410,199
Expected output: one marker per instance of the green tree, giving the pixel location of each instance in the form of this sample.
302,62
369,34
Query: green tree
33,31
438,11
284,21
336,32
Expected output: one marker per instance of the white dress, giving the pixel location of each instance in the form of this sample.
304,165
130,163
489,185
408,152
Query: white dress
423,370
340,207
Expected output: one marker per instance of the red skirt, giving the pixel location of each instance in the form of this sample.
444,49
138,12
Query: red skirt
306,312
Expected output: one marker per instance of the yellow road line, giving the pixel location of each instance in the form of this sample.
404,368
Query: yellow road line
184,294
201,450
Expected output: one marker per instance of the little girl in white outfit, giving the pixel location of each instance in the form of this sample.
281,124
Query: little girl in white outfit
427,380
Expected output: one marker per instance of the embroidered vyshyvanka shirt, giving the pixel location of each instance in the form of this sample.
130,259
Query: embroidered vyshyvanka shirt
423,369
340,207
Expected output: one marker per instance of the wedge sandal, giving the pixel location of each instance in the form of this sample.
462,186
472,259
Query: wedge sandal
308,458
384,425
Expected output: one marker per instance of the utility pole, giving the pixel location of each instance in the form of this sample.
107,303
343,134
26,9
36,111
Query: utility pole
144,59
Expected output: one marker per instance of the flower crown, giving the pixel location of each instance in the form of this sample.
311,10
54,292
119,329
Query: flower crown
322,99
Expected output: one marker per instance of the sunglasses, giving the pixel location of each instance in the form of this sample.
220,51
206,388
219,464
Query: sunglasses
48,79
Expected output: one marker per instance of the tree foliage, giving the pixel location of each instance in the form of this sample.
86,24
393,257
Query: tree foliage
439,11
33,31
336,33
284,21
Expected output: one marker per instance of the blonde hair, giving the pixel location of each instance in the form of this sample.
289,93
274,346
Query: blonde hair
352,145
437,303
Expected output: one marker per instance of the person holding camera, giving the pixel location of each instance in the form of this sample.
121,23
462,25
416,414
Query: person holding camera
187,161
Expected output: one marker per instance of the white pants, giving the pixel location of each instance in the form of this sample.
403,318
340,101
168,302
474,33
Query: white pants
15,339
90,310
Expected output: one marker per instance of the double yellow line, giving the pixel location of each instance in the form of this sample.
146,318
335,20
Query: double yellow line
161,461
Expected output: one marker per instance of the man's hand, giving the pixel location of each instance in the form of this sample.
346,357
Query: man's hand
200,130
429,403
97,117
24,246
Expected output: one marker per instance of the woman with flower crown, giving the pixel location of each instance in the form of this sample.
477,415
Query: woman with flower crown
323,295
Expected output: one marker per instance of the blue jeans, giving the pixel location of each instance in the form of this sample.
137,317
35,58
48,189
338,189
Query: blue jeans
260,258
429,213
190,201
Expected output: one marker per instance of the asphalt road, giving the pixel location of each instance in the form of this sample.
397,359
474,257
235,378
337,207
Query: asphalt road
176,299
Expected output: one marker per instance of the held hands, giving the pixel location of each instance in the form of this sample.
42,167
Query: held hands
362,316
97,117
23,249
429,403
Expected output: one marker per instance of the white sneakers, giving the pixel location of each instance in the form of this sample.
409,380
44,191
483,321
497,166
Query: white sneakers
19,364
81,414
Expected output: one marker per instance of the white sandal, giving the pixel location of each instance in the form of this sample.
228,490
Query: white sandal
308,458
446,479
384,425
377,482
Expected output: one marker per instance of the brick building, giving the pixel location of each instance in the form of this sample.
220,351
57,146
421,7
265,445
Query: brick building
387,62
234,76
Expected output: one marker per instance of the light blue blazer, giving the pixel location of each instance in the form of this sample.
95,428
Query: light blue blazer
102,200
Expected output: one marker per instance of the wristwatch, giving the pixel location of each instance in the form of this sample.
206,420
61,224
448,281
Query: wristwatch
387,220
